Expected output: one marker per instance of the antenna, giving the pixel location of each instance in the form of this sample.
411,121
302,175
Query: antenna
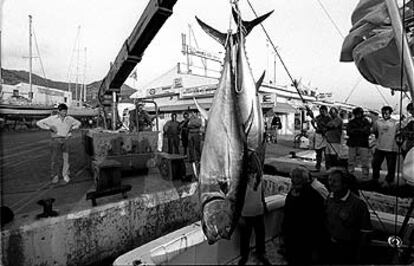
188,50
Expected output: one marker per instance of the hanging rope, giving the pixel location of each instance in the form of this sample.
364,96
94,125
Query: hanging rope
331,19
382,95
38,54
400,121
294,81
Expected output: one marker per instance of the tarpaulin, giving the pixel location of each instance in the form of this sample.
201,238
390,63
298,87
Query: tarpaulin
371,44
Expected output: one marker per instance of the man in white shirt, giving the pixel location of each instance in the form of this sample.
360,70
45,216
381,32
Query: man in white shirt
61,126
385,129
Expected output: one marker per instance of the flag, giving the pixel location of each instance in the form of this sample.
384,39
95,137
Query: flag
134,75
371,44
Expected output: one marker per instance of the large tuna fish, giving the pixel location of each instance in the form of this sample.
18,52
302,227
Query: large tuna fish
247,95
231,136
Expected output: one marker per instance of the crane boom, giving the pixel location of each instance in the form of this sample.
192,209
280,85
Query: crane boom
151,20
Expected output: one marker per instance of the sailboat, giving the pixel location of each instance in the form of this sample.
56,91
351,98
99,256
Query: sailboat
21,108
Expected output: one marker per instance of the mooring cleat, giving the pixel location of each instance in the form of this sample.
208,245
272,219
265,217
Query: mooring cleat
47,208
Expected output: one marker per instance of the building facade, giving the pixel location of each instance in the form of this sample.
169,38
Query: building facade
174,92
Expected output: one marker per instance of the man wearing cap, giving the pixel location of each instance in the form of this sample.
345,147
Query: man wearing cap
61,126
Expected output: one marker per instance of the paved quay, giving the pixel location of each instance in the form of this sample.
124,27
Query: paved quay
25,164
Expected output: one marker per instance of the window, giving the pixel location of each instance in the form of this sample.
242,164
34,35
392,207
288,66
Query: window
15,93
65,99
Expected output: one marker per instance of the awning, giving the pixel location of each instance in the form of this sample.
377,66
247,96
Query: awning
284,108
178,107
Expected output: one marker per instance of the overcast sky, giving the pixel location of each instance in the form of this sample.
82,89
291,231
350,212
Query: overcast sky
306,38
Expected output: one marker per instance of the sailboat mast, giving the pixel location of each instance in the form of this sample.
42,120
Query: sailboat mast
77,69
30,58
84,76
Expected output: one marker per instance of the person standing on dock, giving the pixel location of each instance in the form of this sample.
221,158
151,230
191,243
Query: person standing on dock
252,214
385,130
194,141
358,130
319,123
184,132
276,124
333,138
171,130
194,138
61,126
407,131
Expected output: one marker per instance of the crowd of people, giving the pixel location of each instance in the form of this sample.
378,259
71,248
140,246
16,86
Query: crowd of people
345,140
188,131
337,221
321,224
181,136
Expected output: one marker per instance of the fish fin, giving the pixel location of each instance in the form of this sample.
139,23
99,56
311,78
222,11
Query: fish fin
203,112
249,25
249,122
215,34
260,81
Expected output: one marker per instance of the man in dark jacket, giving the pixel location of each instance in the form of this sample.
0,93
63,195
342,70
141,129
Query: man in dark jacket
358,131
319,123
184,132
276,124
194,138
171,130
407,130
303,229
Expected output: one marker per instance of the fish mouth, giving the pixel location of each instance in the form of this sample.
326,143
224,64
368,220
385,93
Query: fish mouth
217,220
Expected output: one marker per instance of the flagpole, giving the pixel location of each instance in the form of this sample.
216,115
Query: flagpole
402,43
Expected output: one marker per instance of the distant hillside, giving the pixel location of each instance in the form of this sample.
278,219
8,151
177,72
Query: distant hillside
13,77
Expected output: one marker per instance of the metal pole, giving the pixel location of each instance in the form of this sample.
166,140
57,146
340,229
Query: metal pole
274,69
1,78
114,110
402,43
30,58
84,76
77,69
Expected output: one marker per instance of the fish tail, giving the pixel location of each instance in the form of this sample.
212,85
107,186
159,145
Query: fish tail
247,26
215,34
